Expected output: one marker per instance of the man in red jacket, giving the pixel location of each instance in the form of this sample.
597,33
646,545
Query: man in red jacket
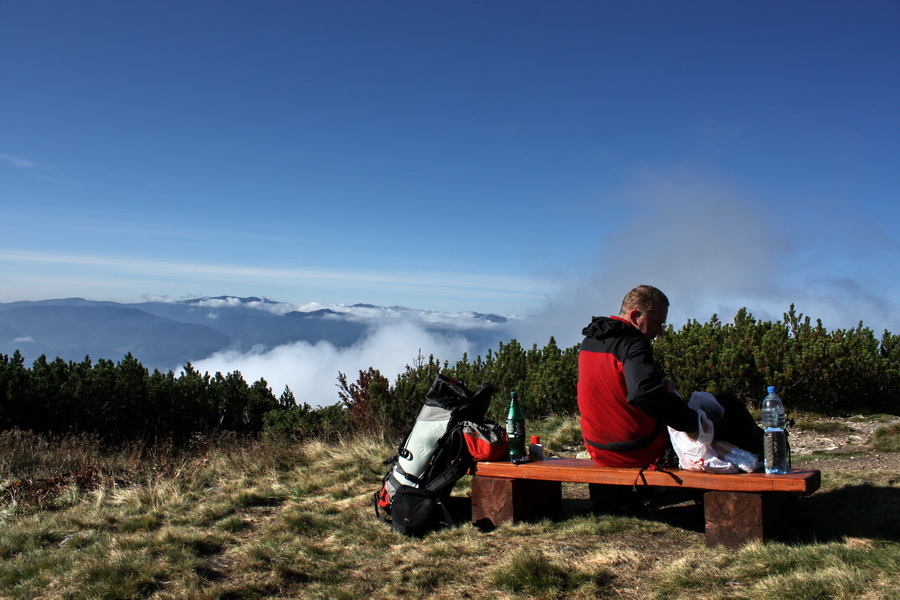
625,402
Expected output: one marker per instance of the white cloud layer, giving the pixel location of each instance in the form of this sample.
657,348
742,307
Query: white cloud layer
310,370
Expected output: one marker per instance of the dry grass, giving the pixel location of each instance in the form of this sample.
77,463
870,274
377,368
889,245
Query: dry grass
247,519
887,438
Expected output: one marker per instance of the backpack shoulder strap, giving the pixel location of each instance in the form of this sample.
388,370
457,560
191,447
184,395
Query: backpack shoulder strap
450,463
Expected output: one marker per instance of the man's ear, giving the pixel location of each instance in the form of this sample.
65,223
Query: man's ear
633,316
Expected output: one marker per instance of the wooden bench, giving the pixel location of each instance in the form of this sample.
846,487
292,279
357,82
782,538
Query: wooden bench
738,508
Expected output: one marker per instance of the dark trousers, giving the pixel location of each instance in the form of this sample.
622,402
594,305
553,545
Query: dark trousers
738,426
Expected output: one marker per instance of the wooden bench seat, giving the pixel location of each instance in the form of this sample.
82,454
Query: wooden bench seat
738,507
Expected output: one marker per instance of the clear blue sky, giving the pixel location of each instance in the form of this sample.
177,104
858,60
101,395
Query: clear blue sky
510,157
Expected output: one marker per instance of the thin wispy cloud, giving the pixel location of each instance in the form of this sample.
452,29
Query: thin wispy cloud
462,285
16,161
37,172
147,230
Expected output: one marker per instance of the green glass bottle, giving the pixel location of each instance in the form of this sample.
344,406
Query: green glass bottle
515,429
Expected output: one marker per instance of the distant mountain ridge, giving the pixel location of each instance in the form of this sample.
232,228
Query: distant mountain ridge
165,334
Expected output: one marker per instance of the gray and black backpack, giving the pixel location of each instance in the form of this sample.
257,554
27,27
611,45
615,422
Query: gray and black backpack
449,434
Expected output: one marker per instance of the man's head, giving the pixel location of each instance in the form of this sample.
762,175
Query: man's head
646,308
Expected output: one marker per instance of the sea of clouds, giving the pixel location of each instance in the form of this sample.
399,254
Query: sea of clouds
396,338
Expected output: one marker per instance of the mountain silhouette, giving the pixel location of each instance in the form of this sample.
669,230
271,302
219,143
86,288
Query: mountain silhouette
167,334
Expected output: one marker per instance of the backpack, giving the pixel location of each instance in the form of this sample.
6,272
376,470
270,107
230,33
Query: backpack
449,434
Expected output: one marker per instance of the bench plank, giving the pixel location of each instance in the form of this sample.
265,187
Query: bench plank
581,470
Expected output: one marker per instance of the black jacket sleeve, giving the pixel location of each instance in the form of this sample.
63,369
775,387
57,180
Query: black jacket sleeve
646,390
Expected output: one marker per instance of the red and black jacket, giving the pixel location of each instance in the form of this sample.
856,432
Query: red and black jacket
624,405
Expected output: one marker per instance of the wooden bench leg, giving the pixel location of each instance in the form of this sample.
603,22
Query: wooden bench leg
735,518
496,500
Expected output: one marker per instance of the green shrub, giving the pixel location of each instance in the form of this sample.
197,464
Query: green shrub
816,370
306,422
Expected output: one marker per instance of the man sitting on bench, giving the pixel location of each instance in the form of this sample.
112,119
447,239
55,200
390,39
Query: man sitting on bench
624,401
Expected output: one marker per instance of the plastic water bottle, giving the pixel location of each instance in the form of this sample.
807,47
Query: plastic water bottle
775,448
515,429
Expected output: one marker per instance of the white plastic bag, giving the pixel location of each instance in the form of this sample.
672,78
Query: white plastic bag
726,452
743,459
706,402
699,454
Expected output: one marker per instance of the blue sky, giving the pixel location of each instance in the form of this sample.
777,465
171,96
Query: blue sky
534,158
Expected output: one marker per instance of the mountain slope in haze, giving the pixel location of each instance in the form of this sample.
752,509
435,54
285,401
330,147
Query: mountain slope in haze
167,334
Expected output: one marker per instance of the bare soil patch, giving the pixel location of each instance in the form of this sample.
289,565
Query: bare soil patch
849,450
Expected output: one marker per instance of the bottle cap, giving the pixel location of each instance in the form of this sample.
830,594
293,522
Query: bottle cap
771,389
535,439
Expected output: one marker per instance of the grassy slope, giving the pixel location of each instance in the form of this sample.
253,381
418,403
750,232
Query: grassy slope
251,520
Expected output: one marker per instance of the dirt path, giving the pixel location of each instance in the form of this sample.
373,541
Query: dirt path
852,449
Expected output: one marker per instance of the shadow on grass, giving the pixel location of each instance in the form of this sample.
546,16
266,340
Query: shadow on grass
856,511
853,511
675,508
859,511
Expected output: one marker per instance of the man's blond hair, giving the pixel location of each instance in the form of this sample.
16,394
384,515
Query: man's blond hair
645,298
